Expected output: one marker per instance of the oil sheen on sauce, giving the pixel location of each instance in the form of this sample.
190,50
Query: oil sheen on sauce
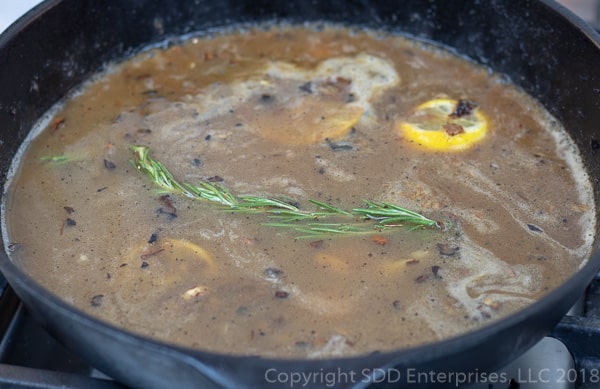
297,114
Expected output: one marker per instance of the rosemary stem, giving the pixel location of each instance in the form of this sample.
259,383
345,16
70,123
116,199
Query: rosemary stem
286,213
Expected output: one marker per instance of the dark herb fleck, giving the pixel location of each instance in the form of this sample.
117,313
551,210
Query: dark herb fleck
422,278
168,205
266,99
446,249
306,87
534,228
69,210
435,270
147,255
169,215
197,162
144,265
215,179
463,108
281,294
317,244
96,301
397,304
109,165
14,246
339,146
272,272
153,238
208,137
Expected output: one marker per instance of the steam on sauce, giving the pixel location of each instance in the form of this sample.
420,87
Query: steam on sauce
298,114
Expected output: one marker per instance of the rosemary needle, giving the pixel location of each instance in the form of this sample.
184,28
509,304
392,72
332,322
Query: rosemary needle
285,214
58,159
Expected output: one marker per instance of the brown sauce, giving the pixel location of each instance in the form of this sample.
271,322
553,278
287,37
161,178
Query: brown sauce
296,114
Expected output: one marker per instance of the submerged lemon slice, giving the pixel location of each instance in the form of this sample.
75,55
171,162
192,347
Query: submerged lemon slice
310,122
299,106
177,249
169,256
445,125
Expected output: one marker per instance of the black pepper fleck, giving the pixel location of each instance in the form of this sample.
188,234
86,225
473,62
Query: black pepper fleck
306,87
272,272
215,179
266,99
446,249
109,165
534,228
96,301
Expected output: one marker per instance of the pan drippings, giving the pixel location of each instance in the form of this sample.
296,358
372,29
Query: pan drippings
283,158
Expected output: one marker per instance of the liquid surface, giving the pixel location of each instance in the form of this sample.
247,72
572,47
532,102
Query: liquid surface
297,114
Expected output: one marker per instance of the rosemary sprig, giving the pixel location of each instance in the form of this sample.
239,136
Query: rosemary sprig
285,214
57,159
155,170
216,193
391,215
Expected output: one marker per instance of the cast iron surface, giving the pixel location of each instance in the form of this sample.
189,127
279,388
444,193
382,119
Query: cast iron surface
61,43
581,334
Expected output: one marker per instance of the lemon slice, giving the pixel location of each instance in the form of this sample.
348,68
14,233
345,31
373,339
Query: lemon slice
436,125
312,121
176,249
167,260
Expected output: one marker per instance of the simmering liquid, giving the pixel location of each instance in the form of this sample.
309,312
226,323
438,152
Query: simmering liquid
312,118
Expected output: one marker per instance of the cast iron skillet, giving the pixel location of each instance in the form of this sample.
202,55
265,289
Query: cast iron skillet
537,44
